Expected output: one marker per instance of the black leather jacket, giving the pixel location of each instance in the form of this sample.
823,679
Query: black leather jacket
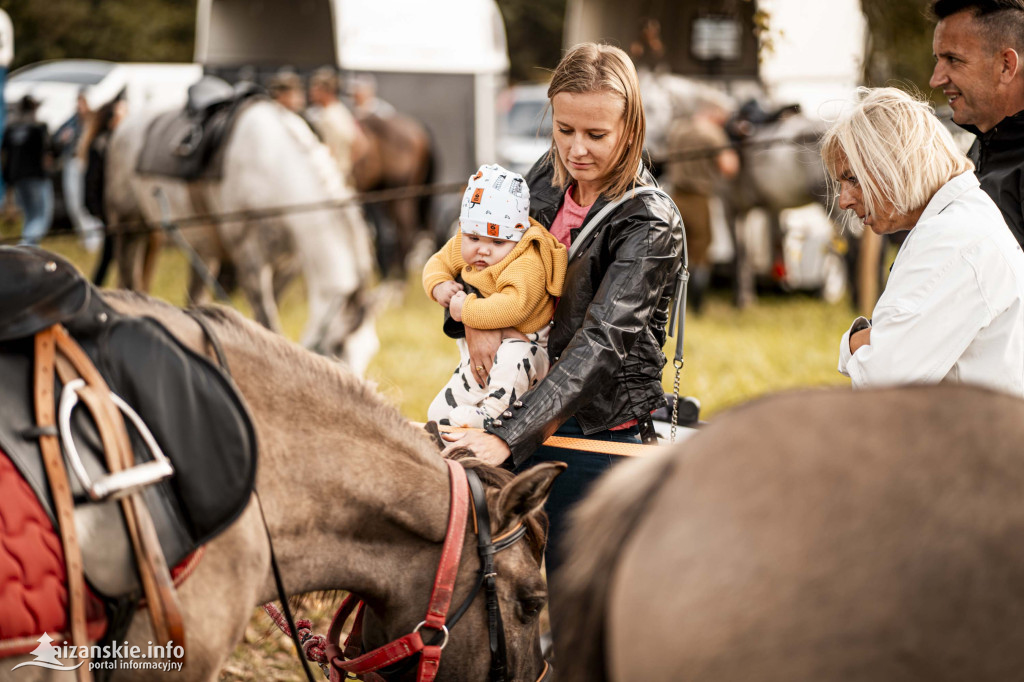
609,326
998,156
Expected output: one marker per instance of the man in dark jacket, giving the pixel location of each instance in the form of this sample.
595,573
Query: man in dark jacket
26,159
979,52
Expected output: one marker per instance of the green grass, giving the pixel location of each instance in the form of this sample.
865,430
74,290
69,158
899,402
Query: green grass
731,356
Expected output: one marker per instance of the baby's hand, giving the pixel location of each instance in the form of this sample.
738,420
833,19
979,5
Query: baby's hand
444,291
455,306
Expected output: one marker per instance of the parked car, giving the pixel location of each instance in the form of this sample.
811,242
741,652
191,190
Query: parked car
56,85
524,127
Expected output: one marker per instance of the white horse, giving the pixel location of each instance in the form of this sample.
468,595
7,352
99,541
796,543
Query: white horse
271,159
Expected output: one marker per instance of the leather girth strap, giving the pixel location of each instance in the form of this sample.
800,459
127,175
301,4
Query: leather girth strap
158,587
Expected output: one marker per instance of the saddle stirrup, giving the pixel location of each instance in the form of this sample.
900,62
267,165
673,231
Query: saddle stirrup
82,381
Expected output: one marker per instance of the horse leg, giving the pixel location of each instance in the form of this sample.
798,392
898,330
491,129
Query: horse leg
744,292
405,212
256,277
154,242
198,292
380,217
127,253
778,259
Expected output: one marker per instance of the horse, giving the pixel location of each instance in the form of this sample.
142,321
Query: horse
270,160
399,155
780,168
354,497
783,544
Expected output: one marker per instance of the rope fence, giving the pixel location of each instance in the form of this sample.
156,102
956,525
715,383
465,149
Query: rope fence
135,227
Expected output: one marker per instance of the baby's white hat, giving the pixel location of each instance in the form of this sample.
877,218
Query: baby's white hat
496,204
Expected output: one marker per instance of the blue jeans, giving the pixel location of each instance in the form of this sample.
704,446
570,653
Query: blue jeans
35,197
572,485
88,227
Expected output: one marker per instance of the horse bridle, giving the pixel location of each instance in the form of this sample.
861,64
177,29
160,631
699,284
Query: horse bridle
397,656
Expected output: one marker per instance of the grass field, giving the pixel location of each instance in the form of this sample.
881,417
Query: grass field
786,341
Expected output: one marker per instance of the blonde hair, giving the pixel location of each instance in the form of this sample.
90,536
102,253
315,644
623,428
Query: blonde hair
895,147
590,67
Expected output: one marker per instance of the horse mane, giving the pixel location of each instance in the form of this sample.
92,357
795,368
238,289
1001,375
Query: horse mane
497,477
319,156
599,527
305,367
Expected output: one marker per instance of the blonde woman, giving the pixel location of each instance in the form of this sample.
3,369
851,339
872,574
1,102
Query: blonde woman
609,326
953,308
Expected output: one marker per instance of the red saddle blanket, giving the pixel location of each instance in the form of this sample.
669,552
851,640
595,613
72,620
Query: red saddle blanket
33,592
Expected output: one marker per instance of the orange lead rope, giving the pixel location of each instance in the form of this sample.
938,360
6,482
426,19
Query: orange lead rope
605,447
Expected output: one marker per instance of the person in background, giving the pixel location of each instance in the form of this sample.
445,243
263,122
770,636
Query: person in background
648,50
363,90
93,148
953,307
609,327
6,57
286,88
334,122
700,159
65,142
26,164
979,65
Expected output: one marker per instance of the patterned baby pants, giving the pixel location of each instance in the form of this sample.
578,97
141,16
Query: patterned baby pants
518,366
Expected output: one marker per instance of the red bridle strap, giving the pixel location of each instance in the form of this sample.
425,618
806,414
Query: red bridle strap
437,610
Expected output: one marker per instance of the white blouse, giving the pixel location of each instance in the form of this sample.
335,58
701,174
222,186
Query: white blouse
953,308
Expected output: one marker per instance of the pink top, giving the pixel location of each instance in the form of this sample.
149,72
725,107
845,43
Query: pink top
570,216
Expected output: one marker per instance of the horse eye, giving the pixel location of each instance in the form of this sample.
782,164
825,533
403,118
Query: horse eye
530,608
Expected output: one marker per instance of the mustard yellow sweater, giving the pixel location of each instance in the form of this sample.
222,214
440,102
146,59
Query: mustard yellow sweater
515,292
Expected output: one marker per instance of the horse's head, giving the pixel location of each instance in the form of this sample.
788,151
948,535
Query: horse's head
478,650
347,330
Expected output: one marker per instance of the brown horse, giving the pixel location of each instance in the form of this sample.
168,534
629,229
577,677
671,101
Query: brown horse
399,154
822,535
355,498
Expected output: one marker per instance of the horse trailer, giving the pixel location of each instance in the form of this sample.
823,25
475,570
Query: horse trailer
442,62
803,51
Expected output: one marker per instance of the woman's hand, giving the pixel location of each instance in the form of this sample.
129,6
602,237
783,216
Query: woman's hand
483,345
859,339
485,446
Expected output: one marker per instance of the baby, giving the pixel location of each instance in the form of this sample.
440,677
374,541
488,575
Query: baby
515,268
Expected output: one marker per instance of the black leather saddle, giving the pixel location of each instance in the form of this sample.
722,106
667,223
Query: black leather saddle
191,408
751,116
185,143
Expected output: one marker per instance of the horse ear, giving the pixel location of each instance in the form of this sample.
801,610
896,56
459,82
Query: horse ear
527,492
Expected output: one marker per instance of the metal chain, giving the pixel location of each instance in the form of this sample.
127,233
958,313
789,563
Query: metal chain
678,364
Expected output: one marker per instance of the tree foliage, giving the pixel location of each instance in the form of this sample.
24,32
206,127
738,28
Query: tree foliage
900,48
117,30
534,32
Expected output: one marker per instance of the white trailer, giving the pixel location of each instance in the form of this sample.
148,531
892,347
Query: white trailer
443,62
